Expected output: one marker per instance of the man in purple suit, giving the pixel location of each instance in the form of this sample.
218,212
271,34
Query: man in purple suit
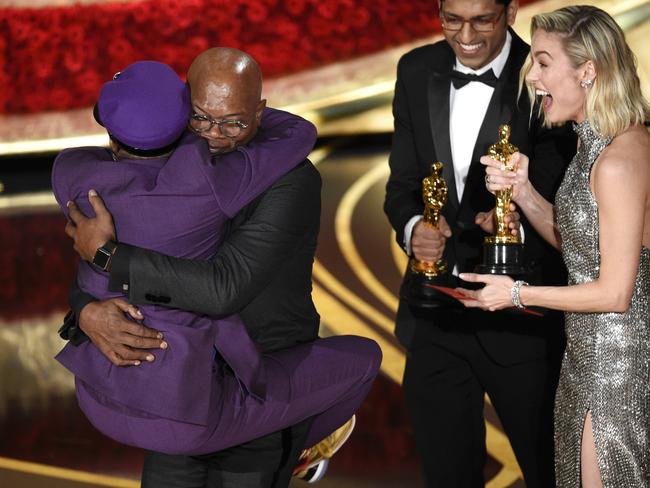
251,388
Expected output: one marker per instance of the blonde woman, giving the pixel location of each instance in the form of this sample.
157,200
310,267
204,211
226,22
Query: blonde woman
583,70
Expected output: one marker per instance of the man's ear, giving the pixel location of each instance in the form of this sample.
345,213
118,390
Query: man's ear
114,147
511,11
261,105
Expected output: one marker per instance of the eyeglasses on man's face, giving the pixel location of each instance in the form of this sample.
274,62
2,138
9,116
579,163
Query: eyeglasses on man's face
482,23
228,127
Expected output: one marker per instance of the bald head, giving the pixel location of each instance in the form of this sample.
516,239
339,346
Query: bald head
227,67
226,84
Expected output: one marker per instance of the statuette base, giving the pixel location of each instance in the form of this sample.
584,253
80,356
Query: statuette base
502,259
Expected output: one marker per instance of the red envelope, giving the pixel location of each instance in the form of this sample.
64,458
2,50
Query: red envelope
452,292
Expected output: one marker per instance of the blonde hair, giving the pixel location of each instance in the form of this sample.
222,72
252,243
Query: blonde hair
614,102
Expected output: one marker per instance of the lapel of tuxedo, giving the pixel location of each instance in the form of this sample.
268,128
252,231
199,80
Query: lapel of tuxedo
438,98
499,112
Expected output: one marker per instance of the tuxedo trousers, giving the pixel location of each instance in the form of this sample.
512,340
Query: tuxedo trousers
445,382
266,462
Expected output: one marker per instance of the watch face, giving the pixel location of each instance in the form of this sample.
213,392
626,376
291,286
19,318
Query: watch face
102,256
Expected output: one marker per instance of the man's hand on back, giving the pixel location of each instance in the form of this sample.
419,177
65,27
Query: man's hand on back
123,341
89,234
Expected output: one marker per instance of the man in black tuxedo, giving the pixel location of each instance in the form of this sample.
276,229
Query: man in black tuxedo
262,271
455,356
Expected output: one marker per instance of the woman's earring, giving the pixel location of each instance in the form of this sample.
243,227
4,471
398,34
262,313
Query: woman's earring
586,83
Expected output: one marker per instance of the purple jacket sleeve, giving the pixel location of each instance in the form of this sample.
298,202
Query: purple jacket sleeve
283,141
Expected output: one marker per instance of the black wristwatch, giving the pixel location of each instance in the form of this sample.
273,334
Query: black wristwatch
104,254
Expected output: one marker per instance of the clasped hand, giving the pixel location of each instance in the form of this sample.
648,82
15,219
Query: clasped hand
110,325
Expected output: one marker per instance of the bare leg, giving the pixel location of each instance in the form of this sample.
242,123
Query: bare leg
589,471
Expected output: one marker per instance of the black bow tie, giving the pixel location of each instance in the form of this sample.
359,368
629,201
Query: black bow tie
461,79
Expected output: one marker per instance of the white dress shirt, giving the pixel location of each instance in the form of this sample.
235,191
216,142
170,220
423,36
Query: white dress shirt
467,108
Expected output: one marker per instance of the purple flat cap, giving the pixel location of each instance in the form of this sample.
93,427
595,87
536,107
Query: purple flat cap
146,106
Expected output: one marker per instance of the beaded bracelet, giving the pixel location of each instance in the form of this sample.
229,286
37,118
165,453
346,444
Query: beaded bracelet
514,293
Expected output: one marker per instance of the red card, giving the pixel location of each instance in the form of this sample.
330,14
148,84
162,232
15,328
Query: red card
452,292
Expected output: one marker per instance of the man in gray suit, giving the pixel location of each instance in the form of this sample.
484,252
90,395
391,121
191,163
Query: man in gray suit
262,271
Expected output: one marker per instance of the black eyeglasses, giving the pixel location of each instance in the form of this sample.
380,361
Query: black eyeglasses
227,127
479,24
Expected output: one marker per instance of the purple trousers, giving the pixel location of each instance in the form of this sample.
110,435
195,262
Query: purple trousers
326,379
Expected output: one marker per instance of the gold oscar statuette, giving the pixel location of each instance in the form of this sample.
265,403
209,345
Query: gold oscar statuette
423,281
502,151
503,253
434,195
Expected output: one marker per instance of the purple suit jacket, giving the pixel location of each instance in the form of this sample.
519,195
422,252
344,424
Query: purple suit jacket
178,206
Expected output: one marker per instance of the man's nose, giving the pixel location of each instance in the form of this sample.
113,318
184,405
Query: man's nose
214,132
466,32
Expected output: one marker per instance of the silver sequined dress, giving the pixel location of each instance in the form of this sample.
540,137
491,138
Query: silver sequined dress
606,366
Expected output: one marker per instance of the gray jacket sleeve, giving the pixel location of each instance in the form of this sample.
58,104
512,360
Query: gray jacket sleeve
264,235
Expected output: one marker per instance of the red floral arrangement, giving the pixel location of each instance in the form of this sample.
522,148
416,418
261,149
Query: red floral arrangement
57,58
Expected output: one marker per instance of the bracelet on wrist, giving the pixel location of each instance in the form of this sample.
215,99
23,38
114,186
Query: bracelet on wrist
514,293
